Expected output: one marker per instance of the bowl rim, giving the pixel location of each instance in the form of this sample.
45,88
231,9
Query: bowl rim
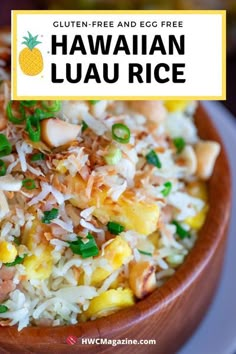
209,239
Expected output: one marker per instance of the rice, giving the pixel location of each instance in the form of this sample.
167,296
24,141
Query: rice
88,235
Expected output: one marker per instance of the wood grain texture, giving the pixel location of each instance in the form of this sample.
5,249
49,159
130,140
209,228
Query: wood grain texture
170,314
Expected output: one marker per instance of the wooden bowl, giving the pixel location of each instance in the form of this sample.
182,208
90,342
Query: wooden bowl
170,314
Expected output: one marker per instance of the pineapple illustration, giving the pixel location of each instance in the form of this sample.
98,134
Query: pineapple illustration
30,58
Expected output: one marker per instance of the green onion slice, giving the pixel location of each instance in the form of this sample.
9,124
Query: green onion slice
49,216
12,115
93,102
84,249
145,253
40,114
120,133
37,157
179,144
52,106
18,260
28,103
153,159
29,183
181,232
3,308
113,156
175,259
5,146
17,240
84,126
115,228
167,189
3,168
33,128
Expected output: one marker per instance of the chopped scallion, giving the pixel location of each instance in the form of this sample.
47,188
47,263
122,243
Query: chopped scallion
167,189
18,260
16,240
3,168
145,253
28,183
120,133
93,102
115,228
28,103
85,249
37,157
114,155
33,128
49,216
12,117
84,126
52,106
5,146
181,232
153,159
39,114
179,144
3,308
175,259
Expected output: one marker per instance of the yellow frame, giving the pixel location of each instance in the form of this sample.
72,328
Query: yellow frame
128,98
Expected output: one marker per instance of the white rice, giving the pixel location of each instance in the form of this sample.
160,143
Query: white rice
54,283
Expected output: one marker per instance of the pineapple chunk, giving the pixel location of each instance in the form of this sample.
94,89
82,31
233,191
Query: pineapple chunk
99,275
196,222
198,190
61,167
174,106
108,302
154,238
39,267
30,237
33,237
116,252
121,280
138,216
141,217
8,252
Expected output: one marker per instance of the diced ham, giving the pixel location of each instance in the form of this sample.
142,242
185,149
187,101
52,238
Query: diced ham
7,273
5,288
6,283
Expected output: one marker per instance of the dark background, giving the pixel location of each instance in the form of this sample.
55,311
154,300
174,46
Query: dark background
7,5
